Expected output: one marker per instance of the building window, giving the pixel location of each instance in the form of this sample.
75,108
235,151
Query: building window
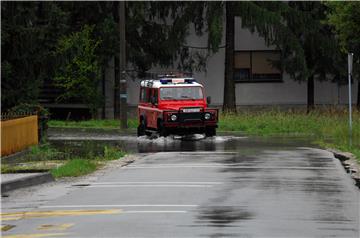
256,66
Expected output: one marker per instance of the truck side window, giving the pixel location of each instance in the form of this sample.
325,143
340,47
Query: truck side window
147,94
155,93
143,95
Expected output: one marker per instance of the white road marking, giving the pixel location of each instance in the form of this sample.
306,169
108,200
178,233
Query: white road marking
150,185
189,164
118,205
228,167
157,182
202,152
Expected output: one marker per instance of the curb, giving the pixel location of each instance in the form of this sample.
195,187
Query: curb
350,164
26,182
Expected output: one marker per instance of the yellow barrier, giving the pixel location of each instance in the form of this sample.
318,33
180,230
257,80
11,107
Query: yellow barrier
18,134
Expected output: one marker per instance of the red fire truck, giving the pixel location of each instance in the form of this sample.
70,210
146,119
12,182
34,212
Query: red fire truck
177,106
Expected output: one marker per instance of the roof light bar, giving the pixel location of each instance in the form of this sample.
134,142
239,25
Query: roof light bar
177,80
190,80
165,80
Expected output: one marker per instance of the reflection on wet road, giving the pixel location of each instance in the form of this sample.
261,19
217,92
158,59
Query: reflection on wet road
226,186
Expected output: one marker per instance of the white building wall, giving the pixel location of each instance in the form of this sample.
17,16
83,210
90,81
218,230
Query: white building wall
288,92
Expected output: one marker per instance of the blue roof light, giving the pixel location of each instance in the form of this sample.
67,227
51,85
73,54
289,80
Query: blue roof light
190,80
165,81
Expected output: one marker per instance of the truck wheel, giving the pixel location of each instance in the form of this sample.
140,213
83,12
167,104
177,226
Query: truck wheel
162,130
210,131
141,129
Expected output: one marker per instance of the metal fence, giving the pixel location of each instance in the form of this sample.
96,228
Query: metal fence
18,132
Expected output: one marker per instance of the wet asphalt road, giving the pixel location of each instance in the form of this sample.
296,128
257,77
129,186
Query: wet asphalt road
254,189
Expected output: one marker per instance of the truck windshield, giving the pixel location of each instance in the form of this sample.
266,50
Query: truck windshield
181,93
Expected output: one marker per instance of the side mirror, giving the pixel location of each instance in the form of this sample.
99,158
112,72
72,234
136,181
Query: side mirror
208,100
152,100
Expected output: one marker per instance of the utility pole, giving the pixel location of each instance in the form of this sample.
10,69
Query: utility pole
122,66
350,63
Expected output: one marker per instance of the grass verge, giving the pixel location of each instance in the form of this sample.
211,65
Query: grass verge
328,128
112,153
103,124
75,161
74,168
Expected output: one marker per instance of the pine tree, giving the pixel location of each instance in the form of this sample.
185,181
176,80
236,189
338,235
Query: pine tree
28,33
344,17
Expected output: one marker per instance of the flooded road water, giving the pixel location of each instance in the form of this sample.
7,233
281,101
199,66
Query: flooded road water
96,139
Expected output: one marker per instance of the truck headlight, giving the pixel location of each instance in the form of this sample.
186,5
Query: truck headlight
207,116
173,117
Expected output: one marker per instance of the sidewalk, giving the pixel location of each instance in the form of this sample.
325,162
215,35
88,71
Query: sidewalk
21,180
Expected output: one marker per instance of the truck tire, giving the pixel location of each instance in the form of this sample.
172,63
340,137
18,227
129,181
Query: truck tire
210,131
141,129
162,130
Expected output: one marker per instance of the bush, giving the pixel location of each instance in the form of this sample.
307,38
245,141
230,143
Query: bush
27,108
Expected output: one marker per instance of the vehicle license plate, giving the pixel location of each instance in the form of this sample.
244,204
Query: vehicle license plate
191,110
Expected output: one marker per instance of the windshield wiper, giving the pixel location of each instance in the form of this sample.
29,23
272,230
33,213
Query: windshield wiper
183,96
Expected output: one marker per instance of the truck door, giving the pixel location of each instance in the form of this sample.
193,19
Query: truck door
151,114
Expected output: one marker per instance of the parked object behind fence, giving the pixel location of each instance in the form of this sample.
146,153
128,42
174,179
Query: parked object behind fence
18,134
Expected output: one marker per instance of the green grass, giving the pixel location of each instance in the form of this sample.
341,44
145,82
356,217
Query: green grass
328,128
43,152
46,158
112,153
74,168
104,124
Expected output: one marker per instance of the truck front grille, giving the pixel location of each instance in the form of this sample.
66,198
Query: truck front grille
189,117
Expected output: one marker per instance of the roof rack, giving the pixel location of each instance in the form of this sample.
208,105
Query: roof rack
168,74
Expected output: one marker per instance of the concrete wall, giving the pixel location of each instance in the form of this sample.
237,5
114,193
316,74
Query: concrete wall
288,92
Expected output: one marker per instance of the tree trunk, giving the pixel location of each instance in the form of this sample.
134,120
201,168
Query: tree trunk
116,70
310,93
229,85
358,96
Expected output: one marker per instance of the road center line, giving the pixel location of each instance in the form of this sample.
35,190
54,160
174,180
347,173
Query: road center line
38,235
155,211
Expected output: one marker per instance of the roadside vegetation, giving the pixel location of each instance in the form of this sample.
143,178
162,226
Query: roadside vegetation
73,168
66,161
101,124
327,127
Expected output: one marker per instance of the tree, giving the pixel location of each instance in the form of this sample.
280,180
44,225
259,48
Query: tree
80,72
229,103
29,31
344,17
308,48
